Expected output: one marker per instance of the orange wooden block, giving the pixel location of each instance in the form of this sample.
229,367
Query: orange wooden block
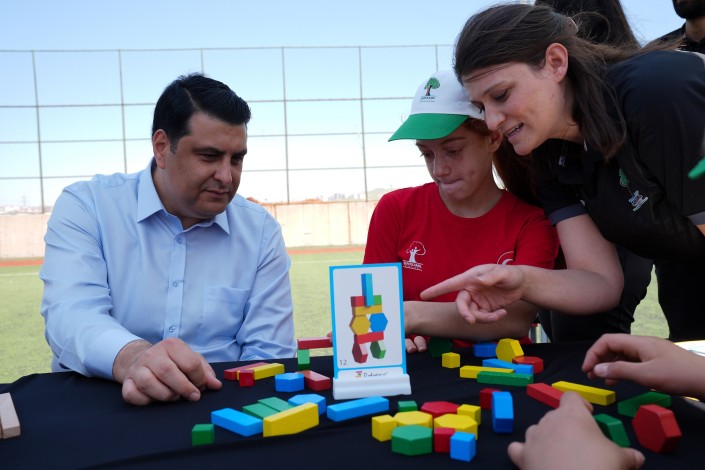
537,362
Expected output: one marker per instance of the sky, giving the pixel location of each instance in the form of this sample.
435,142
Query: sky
74,135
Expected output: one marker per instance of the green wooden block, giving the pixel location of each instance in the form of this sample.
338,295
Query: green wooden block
613,428
303,359
377,299
407,405
439,346
276,403
202,434
378,349
258,410
629,407
412,440
500,378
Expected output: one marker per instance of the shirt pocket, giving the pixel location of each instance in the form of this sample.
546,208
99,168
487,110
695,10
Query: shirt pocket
223,312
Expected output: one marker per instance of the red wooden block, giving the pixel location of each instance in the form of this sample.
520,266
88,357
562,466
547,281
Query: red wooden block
545,394
314,343
315,381
537,362
357,301
246,378
441,439
368,337
359,352
656,428
439,408
486,397
231,374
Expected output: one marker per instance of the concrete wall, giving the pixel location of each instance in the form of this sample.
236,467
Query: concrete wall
322,224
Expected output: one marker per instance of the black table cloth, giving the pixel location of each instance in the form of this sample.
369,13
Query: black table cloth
69,421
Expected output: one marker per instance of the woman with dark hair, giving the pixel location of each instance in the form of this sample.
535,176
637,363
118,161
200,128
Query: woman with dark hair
612,133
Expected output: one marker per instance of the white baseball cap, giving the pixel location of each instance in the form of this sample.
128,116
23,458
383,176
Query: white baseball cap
439,107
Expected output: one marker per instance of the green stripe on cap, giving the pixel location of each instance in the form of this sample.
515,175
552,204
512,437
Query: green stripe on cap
428,126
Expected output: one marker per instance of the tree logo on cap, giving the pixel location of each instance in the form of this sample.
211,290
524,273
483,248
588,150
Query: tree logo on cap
431,83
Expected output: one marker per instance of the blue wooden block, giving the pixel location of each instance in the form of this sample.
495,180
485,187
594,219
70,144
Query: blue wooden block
356,408
319,400
378,322
289,382
237,422
462,446
367,290
502,412
484,349
518,368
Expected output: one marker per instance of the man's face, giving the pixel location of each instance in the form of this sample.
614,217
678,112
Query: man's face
199,179
689,9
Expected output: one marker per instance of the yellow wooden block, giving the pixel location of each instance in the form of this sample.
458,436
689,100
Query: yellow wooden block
268,370
508,349
450,360
598,396
382,427
419,418
458,422
470,372
357,311
360,325
474,411
291,421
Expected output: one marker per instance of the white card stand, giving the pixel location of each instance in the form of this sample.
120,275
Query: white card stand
368,331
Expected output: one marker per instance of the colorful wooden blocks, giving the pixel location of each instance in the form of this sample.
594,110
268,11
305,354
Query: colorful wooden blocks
233,374
441,439
484,349
458,422
486,397
535,362
407,405
412,440
289,382
470,372
508,349
502,412
474,411
291,421
499,378
9,423
356,408
439,408
382,427
613,429
202,434
630,406
237,422
518,368
319,400
463,446
656,428
317,342
450,360
315,381
545,394
414,418
269,370
598,396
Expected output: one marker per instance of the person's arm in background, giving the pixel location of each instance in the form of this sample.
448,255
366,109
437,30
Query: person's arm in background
653,362
569,437
536,245
592,283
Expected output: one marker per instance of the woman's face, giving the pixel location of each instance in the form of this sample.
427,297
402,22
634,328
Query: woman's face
460,163
527,105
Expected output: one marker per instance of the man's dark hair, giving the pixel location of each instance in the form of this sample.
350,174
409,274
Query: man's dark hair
194,93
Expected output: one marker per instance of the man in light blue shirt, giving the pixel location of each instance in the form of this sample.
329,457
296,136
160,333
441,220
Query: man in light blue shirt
150,276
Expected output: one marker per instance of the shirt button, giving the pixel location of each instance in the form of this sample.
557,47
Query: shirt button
175,284
179,239
172,329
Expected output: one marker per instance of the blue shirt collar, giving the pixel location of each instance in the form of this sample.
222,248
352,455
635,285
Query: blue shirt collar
148,202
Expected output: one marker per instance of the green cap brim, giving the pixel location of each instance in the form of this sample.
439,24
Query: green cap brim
698,171
428,126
